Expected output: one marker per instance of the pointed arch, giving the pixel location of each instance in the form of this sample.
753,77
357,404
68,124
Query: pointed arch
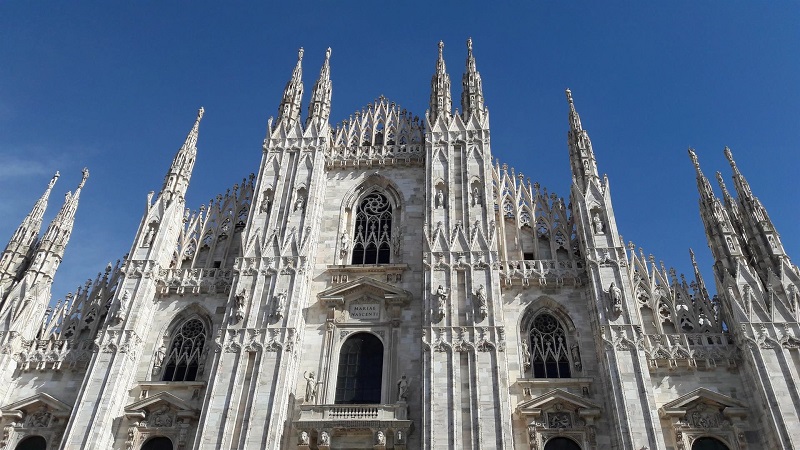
548,344
183,353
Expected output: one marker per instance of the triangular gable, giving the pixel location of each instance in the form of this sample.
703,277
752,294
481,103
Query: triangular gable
535,406
678,407
337,293
137,409
57,407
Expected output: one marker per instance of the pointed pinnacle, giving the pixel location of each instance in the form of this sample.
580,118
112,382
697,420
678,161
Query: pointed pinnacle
53,180
693,157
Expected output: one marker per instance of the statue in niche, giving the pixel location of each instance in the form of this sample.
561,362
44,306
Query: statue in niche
476,196
280,304
402,389
266,202
615,294
150,235
324,438
731,245
441,294
526,355
304,438
344,246
311,386
399,436
597,224
380,438
238,313
440,198
480,295
161,353
300,203
576,357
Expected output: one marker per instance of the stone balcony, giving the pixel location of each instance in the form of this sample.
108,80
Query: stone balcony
354,423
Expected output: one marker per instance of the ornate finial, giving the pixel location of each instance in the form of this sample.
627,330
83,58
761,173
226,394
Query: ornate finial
469,45
693,157
441,48
729,155
569,96
328,53
300,54
200,113
53,180
85,173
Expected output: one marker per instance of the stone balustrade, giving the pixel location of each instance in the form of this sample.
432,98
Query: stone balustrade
542,271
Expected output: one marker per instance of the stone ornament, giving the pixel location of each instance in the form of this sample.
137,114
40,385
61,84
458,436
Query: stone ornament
380,438
311,387
441,301
480,296
402,389
615,296
597,224
303,439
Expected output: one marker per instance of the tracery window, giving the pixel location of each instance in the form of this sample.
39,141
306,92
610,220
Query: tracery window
373,230
360,374
548,348
184,359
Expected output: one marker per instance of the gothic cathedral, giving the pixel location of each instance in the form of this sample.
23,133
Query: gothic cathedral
385,284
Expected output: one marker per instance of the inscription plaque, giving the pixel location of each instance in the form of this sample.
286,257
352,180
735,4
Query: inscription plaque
365,311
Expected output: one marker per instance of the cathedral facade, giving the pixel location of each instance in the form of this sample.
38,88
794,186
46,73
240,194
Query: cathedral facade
384,284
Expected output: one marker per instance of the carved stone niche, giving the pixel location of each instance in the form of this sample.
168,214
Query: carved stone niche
560,414
39,415
365,300
704,413
162,414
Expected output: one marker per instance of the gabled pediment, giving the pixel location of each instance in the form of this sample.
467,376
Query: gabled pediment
140,409
558,399
361,286
727,405
35,402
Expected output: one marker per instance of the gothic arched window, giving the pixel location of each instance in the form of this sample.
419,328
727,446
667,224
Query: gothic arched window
184,359
372,240
548,347
360,373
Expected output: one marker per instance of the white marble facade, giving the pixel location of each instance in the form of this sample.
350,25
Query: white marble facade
383,284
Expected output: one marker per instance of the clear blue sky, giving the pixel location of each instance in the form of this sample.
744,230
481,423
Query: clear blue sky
115,87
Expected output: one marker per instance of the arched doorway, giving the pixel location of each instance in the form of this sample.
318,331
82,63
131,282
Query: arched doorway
158,443
560,443
360,373
709,443
32,443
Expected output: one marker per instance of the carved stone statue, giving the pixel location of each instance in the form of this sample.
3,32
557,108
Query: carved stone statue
615,294
344,246
159,359
440,199
280,304
526,354
380,439
597,224
324,438
576,357
303,439
402,389
41,418
441,303
299,204
480,295
476,196
311,386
